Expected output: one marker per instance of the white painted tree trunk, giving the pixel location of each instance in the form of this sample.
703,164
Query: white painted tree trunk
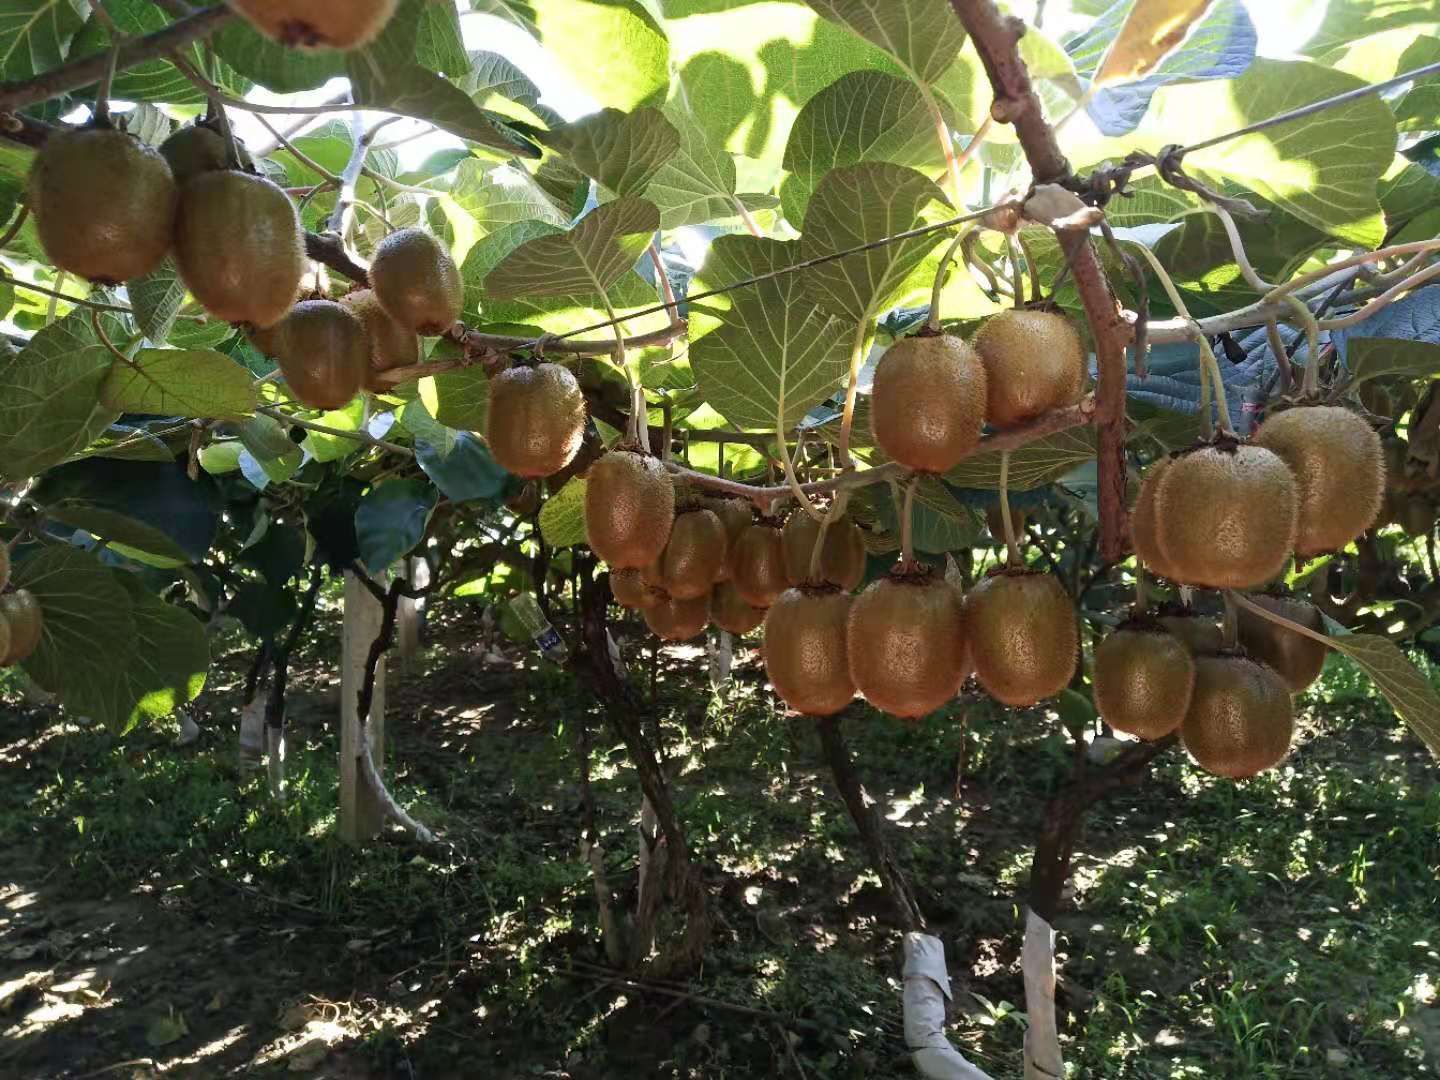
408,616
275,761
361,811
927,988
252,734
1043,1060
721,648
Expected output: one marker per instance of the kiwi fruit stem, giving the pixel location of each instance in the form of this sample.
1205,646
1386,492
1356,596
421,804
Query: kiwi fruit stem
1230,628
1310,385
907,549
102,94
1012,549
790,477
858,353
932,324
1017,279
1209,367
836,509
1241,600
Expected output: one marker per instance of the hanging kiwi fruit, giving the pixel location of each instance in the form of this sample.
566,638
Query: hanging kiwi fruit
1339,470
317,24
417,282
536,419
757,564
729,611
391,345
906,642
106,237
927,405
1144,526
1021,630
805,649
994,521
631,591
693,557
198,148
1143,677
239,247
1416,514
1240,719
1200,634
24,623
322,351
842,556
1296,658
1226,513
1034,362
736,515
629,507
672,619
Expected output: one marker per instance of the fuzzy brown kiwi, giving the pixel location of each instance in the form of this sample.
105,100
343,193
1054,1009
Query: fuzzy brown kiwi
757,564
842,558
196,149
996,524
417,281
391,345
671,619
536,419
692,558
1339,471
729,611
1296,658
629,506
1144,527
927,405
1021,630
631,591
1034,362
316,24
107,234
1144,676
1200,634
1416,514
1226,514
736,515
4,566
805,651
322,351
239,247
25,622
1240,719
905,642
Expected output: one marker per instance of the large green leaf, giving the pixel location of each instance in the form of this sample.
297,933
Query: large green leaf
774,356
562,518
1372,358
176,382
1348,21
391,519
696,183
34,35
1405,688
586,260
939,521
923,35
1041,462
273,66
862,116
458,399
858,205
167,663
156,299
620,151
502,195
50,403
150,80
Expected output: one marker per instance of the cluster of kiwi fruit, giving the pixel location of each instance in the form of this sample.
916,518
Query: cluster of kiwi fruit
21,620
239,247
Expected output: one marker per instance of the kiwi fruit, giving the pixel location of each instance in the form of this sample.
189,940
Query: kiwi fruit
672,619
536,419
1396,452
1021,630
417,281
322,350
927,405
1144,676
1240,718
196,149
692,558
996,524
104,204
757,564
25,622
1201,635
736,516
311,24
1416,513
239,247
4,566
631,591
1034,362
905,642
729,611
391,345
629,505
1225,515
1144,527
842,557
805,650
1339,471
1297,659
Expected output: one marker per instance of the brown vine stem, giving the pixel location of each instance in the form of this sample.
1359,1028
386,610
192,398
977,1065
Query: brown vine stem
996,38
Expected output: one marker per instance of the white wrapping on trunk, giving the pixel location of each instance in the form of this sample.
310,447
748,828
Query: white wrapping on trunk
927,988
1042,1040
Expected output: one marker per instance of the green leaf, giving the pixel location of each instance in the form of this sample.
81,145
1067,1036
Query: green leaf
458,399
1034,465
492,75
620,151
1372,358
325,447
219,458
467,473
587,260
34,35
50,403
1151,31
862,116
416,419
940,523
562,518
1405,688
774,356
440,45
151,80
265,438
859,205
923,35
696,183
391,519
168,662
1348,21
502,195
176,382
273,66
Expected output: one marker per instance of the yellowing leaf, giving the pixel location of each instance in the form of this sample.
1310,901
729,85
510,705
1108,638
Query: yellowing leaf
1152,30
